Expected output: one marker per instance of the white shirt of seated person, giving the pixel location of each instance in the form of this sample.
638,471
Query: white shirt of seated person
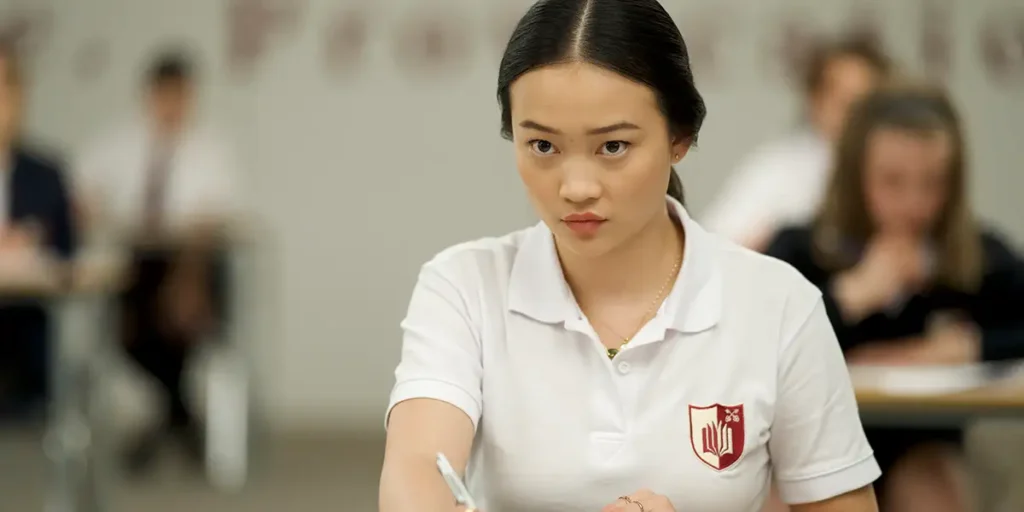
113,171
780,184
738,377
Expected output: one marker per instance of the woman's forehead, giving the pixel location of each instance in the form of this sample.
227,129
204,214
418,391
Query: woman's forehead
885,140
578,94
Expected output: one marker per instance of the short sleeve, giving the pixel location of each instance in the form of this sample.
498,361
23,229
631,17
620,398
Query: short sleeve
441,356
818,446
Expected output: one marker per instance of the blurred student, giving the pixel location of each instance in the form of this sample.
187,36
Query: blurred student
35,221
908,274
782,182
166,187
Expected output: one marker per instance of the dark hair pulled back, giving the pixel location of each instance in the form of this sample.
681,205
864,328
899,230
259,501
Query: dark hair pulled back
636,39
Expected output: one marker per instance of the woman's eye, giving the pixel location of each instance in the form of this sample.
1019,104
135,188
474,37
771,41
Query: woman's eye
542,147
614,148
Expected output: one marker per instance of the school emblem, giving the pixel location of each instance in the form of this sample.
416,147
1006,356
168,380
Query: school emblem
716,434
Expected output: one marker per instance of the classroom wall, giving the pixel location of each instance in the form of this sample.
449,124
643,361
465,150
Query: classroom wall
371,140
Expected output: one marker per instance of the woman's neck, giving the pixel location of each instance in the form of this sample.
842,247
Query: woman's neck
633,271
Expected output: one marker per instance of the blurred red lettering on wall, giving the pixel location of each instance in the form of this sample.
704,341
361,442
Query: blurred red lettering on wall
704,33
1002,47
433,40
27,29
790,49
345,40
936,40
254,25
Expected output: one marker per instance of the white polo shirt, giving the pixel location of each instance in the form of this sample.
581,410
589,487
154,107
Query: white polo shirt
738,376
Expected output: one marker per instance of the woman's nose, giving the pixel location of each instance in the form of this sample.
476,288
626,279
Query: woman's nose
580,186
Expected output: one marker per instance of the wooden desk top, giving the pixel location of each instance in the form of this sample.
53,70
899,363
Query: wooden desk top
1003,392
237,234
996,397
94,271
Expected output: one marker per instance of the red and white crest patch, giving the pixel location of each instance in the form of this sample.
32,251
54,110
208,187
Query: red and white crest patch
716,434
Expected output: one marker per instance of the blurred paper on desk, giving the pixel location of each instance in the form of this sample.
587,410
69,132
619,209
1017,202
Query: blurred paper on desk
934,380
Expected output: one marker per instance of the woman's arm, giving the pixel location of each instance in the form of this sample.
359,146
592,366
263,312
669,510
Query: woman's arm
418,429
861,500
819,452
437,399
997,331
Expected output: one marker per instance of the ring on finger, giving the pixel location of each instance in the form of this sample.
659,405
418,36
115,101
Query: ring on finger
631,501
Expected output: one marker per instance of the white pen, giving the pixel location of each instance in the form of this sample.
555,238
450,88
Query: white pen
458,489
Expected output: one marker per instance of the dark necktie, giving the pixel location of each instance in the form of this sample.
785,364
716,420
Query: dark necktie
156,190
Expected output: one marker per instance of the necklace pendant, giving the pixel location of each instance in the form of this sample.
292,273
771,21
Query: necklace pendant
612,352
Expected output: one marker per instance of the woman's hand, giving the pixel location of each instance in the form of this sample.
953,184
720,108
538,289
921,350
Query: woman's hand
951,344
891,267
641,501
19,238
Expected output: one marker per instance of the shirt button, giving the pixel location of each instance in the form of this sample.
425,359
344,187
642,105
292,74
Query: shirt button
624,368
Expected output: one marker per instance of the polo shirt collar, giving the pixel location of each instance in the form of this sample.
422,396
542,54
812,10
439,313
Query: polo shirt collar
538,289
537,286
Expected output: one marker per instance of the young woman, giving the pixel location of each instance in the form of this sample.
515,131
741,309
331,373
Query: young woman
615,356
908,275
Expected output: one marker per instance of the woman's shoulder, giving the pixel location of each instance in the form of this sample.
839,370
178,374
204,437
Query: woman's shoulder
482,261
764,291
753,272
998,251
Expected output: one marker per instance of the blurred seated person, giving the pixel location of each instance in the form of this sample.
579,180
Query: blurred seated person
782,182
35,221
166,186
909,276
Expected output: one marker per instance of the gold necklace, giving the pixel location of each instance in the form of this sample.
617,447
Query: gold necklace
655,304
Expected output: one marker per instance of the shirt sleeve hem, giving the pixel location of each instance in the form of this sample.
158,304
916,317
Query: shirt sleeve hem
829,485
436,390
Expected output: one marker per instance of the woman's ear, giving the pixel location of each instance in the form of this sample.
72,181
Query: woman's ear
680,147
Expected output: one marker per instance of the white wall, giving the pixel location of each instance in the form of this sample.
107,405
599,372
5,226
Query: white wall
363,174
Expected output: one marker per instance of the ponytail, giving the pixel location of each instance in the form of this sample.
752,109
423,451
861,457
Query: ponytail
675,187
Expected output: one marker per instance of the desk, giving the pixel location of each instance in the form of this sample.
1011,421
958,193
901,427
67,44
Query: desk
85,328
1000,396
76,295
228,416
